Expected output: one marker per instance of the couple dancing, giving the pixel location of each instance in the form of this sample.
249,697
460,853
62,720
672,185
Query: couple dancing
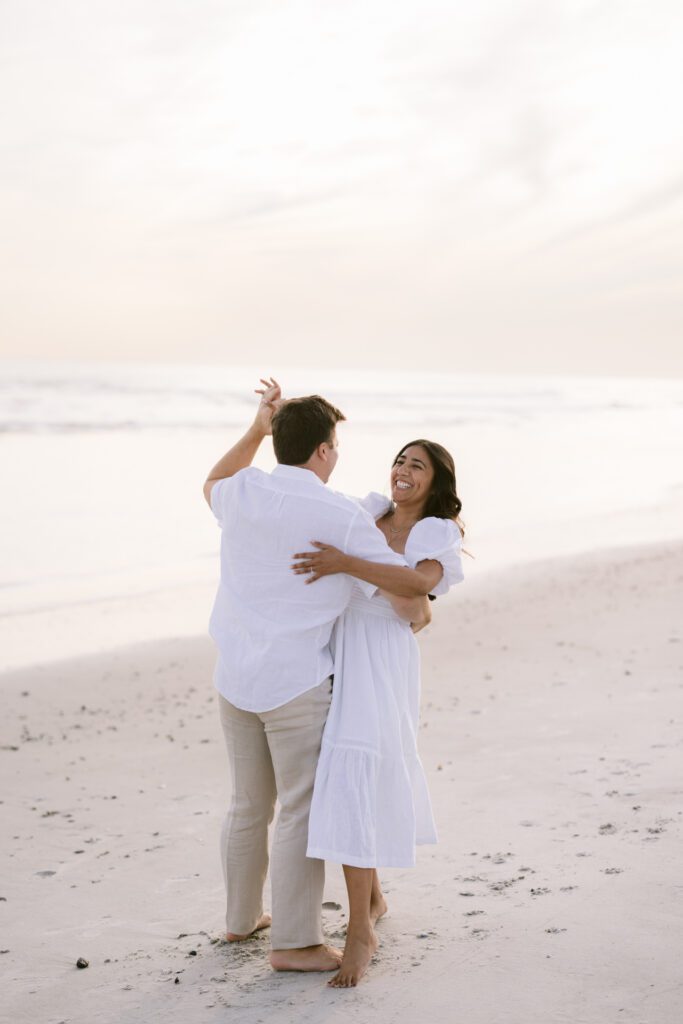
318,674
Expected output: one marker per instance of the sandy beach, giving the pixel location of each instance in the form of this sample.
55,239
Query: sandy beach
552,738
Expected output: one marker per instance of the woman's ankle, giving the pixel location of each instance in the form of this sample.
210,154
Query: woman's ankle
360,929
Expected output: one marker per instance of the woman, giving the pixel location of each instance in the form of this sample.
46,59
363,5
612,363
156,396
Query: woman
371,803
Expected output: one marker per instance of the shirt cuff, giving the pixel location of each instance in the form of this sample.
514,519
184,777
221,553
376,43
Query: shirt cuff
369,589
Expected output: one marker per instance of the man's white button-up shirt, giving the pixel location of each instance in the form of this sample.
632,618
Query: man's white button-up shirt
271,628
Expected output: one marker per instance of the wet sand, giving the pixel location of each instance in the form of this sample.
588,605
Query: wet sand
552,736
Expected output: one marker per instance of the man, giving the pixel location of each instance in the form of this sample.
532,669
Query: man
274,663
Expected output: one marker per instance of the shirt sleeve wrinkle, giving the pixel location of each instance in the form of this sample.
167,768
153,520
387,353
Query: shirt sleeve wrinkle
364,540
375,504
216,500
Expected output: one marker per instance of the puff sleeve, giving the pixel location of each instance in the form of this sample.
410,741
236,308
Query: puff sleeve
437,539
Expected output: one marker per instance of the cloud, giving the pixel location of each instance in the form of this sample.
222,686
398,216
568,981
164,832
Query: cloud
651,202
390,156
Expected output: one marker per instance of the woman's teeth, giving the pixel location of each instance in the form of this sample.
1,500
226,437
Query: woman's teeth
402,486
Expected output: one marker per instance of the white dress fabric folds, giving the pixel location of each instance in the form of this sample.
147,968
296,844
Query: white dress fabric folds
371,803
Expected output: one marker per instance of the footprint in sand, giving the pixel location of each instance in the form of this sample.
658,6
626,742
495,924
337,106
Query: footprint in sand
502,886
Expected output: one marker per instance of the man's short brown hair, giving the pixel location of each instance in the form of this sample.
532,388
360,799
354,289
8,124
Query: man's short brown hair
300,425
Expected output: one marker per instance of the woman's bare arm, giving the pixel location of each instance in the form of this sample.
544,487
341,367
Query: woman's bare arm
415,610
396,579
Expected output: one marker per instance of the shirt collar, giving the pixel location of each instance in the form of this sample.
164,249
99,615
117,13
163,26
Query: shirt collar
296,473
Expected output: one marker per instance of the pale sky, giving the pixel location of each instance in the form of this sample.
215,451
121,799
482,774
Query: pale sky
438,184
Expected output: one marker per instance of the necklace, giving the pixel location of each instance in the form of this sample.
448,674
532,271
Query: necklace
394,532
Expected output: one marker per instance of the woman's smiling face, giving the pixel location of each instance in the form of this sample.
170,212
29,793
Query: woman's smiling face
412,476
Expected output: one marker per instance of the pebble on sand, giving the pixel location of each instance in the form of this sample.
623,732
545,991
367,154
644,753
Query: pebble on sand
82,962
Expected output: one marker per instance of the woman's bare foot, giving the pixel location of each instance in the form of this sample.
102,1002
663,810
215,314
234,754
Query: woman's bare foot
308,958
358,952
264,921
378,908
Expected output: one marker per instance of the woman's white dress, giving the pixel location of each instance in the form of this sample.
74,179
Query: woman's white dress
370,802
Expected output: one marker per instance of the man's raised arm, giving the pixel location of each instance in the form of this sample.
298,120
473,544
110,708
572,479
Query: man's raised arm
242,453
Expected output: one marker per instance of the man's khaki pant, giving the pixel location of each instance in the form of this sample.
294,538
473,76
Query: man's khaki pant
274,754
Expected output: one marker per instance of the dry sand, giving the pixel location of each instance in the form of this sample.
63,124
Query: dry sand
553,740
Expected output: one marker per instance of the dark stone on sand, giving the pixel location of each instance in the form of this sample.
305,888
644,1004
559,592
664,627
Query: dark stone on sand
193,952
82,963
177,981
183,935
331,905
45,874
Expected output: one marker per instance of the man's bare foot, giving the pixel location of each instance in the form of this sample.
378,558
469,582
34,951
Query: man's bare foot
264,921
378,908
308,958
358,952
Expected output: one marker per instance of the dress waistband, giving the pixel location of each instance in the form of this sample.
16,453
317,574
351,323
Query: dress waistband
367,606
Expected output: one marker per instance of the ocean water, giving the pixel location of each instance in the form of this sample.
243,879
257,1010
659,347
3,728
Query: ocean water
106,538
75,397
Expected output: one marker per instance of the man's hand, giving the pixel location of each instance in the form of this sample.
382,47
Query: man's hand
271,400
242,453
326,561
